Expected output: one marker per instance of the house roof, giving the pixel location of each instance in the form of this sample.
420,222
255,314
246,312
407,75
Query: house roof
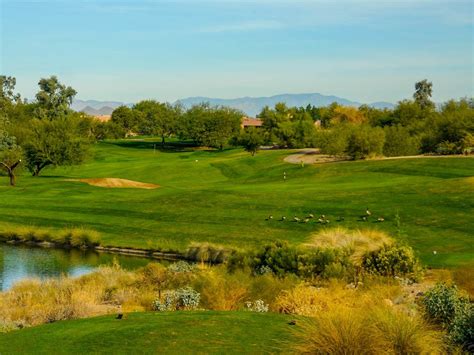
251,122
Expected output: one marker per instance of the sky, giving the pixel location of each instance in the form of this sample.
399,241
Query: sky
364,51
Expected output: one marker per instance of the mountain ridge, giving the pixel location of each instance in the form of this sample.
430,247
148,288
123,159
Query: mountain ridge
251,106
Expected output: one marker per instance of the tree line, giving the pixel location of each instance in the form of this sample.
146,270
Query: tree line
47,132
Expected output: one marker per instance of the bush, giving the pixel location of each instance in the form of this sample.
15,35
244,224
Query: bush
461,329
441,303
258,306
392,260
279,257
399,142
365,141
184,298
444,305
181,266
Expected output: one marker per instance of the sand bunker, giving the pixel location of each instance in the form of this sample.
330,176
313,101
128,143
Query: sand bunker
117,183
311,156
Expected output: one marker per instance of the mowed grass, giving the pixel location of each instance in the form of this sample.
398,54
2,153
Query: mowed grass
225,197
173,333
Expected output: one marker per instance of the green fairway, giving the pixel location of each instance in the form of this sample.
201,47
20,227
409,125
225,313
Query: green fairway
225,197
176,332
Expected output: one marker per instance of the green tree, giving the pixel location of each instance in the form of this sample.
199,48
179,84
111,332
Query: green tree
157,118
53,98
125,118
10,153
55,143
251,140
423,92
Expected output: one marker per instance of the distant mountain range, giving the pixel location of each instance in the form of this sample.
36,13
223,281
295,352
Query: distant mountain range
249,105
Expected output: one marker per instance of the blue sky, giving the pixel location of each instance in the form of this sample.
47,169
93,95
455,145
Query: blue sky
130,50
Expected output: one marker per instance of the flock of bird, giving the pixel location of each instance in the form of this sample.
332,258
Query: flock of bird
323,220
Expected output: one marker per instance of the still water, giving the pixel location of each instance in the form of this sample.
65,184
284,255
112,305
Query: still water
20,262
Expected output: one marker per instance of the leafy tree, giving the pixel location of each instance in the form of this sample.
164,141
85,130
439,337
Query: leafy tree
53,99
10,153
210,126
423,92
7,89
55,143
347,114
251,140
221,125
334,141
158,118
125,118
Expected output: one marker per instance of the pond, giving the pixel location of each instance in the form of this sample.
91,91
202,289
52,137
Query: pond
20,262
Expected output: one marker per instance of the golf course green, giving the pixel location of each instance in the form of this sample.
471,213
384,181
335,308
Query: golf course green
225,198
171,333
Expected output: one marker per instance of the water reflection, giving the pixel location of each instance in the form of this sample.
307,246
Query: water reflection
19,262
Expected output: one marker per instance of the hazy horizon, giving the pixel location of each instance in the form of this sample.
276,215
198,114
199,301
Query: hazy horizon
365,51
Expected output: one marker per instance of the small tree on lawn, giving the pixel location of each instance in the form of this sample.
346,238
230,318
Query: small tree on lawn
10,155
251,140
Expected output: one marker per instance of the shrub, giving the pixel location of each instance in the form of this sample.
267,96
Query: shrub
184,298
258,306
461,329
221,291
392,260
280,257
399,142
181,266
445,305
441,302
365,141
336,332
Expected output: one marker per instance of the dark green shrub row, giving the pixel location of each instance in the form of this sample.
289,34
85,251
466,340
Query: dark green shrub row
280,258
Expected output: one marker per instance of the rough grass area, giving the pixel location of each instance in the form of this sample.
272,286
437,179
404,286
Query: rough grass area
178,333
224,198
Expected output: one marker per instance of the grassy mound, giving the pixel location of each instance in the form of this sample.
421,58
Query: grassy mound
224,198
177,332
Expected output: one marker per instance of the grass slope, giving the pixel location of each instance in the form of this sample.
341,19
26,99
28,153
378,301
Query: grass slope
224,198
175,332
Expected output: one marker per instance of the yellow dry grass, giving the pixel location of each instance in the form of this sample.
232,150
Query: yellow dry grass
116,183
358,241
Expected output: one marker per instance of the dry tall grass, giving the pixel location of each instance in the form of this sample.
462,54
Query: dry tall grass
359,242
370,320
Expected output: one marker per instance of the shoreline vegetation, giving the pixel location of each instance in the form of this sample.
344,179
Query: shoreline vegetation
87,239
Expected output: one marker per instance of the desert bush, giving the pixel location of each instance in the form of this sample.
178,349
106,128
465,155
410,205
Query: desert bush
221,291
206,252
399,333
392,260
461,328
441,302
184,298
376,330
258,306
181,266
399,142
365,141
445,305
279,256
336,332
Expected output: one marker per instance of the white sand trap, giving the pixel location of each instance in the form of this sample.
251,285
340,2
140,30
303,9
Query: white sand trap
117,183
